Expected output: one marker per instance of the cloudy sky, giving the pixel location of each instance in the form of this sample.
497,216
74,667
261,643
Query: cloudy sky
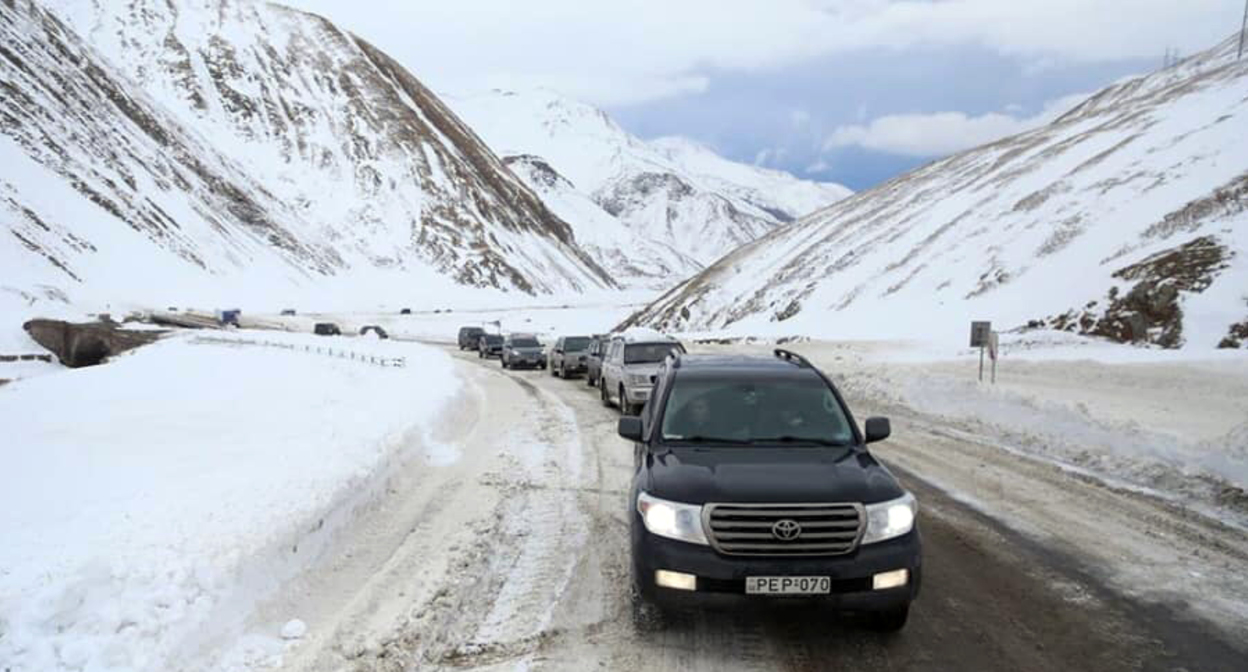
850,91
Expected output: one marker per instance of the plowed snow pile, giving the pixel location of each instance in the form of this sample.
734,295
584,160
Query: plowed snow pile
147,504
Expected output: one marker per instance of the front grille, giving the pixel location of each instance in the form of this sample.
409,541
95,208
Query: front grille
747,529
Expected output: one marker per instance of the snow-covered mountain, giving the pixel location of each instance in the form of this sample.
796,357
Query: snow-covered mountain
234,144
1127,218
671,191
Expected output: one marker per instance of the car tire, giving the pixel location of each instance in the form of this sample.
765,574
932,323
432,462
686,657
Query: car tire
892,620
623,405
648,617
602,393
503,362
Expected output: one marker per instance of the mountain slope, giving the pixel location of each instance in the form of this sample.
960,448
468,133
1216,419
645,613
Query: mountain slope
364,171
1127,218
672,191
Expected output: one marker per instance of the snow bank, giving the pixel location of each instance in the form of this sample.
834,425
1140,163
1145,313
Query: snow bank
147,505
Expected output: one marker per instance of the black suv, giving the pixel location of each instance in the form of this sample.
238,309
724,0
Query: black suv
593,358
753,484
470,337
490,345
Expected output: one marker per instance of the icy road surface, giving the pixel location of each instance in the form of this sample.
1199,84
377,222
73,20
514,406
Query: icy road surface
515,557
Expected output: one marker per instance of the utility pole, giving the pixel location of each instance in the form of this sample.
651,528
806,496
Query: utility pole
1242,26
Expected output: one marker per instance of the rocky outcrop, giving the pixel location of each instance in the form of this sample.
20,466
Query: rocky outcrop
86,344
1150,311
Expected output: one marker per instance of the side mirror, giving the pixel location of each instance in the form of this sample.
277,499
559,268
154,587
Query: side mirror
878,429
630,427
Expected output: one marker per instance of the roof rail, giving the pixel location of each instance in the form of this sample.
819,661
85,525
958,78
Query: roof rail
790,356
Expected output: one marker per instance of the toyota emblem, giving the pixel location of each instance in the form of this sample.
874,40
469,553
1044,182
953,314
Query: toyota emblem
786,529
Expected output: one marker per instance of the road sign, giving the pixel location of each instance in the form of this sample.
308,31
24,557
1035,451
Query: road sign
979,333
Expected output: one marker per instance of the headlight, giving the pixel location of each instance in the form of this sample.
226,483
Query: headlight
891,519
638,379
673,520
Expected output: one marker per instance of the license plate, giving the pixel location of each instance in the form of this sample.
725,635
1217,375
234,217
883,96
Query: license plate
788,585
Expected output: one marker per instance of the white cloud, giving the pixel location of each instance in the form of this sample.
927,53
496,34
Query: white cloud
818,166
613,53
942,133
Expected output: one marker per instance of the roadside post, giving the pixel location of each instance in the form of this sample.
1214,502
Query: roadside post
992,354
980,334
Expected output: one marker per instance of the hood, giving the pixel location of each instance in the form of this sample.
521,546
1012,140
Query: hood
789,475
648,368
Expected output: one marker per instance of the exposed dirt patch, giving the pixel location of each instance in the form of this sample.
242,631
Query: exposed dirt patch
1150,311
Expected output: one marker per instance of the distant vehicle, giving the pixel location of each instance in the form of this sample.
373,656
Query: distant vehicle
593,358
438,311
326,329
752,483
288,311
568,356
470,337
522,351
173,309
489,345
628,368
228,317
381,333
405,311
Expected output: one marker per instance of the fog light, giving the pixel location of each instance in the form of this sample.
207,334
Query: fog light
676,580
894,579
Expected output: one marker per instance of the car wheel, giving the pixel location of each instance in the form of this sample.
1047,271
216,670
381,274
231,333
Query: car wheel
602,392
892,620
623,405
503,362
647,616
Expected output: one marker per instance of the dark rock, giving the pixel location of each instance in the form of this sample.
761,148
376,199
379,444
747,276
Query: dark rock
86,344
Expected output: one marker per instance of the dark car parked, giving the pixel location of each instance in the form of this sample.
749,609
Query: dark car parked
753,485
470,338
287,312
381,333
522,351
489,345
326,329
568,356
593,358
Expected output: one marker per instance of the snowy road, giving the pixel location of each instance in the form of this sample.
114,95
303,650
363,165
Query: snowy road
515,557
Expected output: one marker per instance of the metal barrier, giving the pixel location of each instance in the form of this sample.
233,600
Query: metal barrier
385,362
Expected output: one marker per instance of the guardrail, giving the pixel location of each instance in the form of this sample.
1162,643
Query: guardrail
385,362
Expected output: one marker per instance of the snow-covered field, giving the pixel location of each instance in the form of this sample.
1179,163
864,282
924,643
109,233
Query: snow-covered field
1171,423
147,504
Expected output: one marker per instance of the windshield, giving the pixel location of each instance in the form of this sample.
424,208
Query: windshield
785,411
525,343
493,340
644,353
575,344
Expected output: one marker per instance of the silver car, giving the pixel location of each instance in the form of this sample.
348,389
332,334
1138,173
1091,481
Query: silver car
629,365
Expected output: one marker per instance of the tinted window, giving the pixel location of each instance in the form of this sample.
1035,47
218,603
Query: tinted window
764,411
493,339
525,343
575,343
642,353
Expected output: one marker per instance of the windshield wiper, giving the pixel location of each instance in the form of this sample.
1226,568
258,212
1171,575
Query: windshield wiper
813,440
700,439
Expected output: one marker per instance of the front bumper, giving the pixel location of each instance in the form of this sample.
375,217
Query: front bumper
637,394
721,578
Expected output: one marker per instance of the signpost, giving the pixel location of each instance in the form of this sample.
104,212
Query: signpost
992,354
981,332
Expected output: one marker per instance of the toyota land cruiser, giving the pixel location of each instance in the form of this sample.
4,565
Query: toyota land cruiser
753,484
